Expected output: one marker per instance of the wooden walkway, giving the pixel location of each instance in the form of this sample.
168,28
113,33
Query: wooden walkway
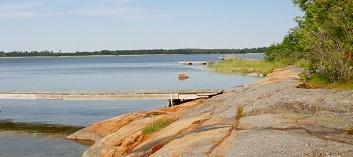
128,95
194,62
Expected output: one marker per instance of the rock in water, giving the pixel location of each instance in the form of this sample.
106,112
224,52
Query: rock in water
183,77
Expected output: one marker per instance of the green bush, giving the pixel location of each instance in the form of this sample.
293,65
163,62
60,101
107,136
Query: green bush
328,37
321,81
324,37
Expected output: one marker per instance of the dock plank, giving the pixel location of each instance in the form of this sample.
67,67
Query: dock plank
117,95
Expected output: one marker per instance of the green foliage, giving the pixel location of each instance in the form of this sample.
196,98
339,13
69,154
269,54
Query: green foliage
317,81
322,81
303,63
245,66
301,3
288,51
133,52
157,125
324,37
327,31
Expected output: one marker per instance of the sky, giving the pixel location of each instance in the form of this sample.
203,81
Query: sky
89,25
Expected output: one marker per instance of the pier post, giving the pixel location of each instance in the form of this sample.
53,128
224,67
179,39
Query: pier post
171,101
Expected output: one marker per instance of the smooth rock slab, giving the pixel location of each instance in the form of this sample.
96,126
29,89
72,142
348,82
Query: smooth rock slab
275,143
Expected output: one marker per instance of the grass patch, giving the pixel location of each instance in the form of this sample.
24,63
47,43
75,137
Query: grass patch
245,66
303,63
38,127
157,125
319,81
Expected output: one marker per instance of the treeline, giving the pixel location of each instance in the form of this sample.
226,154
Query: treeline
133,52
323,38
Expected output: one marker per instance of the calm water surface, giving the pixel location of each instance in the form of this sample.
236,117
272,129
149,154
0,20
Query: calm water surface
112,73
32,145
100,73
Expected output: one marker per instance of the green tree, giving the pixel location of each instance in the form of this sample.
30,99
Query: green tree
327,31
288,51
324,36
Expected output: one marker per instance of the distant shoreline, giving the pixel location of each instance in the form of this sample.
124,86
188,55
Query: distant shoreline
67,56
130,52
92,56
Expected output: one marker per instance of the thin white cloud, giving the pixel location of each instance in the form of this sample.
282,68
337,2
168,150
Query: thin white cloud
17,14
108,8
120,12
16,9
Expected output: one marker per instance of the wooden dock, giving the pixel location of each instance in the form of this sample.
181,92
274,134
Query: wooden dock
173,96
194,62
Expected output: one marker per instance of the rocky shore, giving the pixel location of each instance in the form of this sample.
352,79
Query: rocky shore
271,117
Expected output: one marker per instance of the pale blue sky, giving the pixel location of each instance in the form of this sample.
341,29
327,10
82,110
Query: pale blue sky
80,25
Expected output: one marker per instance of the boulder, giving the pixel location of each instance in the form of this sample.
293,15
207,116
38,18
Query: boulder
183,77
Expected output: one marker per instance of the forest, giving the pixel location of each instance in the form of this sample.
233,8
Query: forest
133,52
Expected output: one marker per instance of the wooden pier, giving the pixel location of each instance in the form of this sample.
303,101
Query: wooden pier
172,96
194,62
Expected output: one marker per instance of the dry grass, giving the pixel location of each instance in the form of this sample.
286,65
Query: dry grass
157,125
350,131
245,66
239,114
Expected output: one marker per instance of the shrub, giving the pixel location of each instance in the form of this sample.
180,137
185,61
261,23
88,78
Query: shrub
321,81
327,36
324,37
